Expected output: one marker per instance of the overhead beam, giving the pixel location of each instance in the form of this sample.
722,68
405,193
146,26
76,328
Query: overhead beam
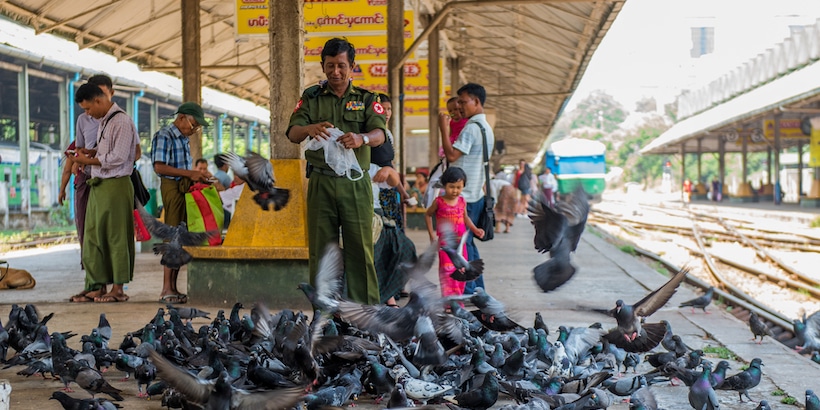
67,20
125,30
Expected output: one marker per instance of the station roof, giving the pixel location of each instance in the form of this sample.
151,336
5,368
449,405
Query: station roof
783,81
529,54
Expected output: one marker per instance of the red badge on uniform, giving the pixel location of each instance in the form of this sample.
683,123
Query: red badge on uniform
299,104
378,108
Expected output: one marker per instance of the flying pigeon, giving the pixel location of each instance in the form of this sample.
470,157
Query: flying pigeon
455,250
258,173
175,237
633,336
808,333
700,302
558,231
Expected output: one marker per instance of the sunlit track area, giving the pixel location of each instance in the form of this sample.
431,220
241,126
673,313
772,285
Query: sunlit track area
764,265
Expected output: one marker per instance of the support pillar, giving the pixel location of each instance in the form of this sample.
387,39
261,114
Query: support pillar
683,196
191,65
266,248
395,51
777,186
454,65
744,190
233,134
23,126
721,168
699,189
219,132
433,96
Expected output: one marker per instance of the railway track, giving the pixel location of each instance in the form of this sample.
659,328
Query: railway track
40,239
702,230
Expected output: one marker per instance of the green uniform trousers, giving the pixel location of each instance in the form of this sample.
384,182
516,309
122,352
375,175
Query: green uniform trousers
335,202
108,251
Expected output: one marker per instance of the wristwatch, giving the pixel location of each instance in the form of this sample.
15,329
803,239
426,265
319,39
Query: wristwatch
366,139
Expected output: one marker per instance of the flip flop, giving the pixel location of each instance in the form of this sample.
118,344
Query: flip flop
179,299
111,299
80,298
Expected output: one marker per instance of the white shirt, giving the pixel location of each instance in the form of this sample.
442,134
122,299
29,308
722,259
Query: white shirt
470,144
548,181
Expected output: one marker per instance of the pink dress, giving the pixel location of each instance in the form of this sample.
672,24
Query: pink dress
455,215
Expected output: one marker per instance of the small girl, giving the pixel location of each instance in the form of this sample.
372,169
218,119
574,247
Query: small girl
452,208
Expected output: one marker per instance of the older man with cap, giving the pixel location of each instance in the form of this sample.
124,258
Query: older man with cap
171,156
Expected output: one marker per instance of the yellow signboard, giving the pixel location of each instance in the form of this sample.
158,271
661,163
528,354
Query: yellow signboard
814,149
789,128
368,48
252,17
339,17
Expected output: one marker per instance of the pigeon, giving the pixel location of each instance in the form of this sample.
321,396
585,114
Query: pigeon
626,386
325,296
480,398
558,231
643,399
91,380
4,343
490,311
700,302
808,333
759,328
719,374
744,380
763,405
189,312
633,336
464,271
418,389
258,173
175,237
539,323
701,394
219,394
812,402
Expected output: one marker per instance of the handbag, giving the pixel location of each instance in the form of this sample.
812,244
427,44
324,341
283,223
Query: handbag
486,220
140,231
205,212
141,193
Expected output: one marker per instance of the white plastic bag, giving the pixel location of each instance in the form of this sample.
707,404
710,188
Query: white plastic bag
341,160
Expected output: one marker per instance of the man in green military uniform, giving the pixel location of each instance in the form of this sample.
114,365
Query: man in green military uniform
336,201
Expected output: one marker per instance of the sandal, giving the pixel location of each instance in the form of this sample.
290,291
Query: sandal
80,298
111,298
179,299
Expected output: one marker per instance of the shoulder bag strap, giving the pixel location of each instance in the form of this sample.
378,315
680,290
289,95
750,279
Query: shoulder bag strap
486,159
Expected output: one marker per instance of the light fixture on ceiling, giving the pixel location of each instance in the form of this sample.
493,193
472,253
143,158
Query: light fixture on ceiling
420,131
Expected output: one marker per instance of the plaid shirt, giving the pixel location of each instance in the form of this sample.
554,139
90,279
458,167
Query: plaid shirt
172,148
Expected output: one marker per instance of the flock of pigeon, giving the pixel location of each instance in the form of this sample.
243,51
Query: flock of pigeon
461,351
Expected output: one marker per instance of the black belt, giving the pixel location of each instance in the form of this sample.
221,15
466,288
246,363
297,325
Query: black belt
326,172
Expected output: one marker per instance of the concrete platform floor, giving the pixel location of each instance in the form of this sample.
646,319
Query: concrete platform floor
605,275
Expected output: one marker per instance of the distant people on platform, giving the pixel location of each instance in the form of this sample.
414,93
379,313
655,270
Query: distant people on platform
171,156
334,201
419,188
451,123
524,182
505,203
549,185
467,153
717,192
687,190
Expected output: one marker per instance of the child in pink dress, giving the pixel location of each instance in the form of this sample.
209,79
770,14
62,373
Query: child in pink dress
450,208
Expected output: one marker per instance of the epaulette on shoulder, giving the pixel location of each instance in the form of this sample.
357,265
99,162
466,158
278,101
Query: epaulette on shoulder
368,95
314,90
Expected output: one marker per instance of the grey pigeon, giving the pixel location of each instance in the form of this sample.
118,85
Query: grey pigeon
258,173
188,312
218,394
326,294
455,250
700,302
175,237
812,402
91,380
491,312
480,398
701,394
745,380
763,405
631,334
643,399
557,231
808,333
758,328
